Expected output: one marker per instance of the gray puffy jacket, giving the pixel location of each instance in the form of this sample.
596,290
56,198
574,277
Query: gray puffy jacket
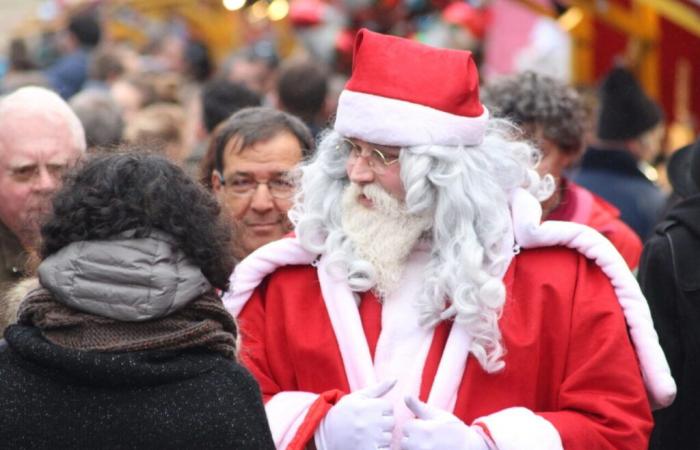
123,278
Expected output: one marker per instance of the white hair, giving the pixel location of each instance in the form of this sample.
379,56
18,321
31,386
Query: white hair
39,101
466,190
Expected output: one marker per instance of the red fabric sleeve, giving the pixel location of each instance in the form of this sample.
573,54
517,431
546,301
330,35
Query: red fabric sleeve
288,344
317,411
602,400
251,322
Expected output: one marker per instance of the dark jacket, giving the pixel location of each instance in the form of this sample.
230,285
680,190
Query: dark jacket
68,74
13,259
615,176
669,274
53,397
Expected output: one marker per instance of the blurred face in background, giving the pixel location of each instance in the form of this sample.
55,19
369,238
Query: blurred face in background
128,97
254,74
650,144
35,151
554,160
256,188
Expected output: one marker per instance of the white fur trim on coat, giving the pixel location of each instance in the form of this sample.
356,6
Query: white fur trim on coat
345,319
285,413
387,121
347,327
530,233
262,262
518,428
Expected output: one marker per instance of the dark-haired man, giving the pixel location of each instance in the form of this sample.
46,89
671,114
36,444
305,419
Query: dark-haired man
629,135
255,152
219,98
302,86
67,75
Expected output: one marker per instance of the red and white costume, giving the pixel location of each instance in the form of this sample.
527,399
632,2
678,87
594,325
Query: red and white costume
571,378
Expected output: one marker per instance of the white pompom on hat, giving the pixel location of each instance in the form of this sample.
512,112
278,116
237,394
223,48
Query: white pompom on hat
405,93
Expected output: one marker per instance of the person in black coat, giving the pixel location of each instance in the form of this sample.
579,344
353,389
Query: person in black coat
669,275
629,133
125,342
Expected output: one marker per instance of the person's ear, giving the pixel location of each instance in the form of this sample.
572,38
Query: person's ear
217,181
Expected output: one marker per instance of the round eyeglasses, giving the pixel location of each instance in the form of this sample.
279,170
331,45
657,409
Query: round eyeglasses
377,160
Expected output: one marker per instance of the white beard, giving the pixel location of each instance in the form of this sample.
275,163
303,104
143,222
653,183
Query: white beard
383,235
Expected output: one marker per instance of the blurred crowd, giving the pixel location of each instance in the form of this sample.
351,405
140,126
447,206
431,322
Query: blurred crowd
231,133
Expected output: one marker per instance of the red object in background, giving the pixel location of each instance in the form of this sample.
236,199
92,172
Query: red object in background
675,44
389,3
306,13
473,19
678,44
344,44
440,4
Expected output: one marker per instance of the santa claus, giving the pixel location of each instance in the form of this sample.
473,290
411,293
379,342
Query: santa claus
421,304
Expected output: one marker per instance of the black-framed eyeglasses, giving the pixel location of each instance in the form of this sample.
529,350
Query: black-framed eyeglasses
377,160
280,187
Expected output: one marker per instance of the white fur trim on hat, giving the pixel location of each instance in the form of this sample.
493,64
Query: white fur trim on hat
387,121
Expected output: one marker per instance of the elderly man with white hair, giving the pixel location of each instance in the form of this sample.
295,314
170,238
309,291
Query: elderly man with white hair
422,303
40,137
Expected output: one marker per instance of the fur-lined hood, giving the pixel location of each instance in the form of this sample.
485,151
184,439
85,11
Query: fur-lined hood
9,304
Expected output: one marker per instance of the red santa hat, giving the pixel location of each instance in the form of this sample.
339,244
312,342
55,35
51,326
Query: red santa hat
405,93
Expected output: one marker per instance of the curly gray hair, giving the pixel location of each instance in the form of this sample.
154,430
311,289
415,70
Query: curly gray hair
533,101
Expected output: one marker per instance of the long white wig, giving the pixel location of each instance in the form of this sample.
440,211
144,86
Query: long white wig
466,189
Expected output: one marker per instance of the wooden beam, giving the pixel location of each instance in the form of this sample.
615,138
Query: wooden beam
617,17
677,13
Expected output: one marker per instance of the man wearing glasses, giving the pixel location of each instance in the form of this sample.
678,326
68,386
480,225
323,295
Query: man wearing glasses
256,151
422,304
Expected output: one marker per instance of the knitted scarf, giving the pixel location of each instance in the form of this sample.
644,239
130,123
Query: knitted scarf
204,322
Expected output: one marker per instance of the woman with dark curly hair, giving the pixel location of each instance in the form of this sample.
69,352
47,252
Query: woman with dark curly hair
126,343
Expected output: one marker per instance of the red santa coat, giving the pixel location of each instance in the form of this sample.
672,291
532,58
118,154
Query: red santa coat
568,359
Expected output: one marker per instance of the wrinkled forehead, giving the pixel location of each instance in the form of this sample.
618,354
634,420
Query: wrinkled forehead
17,123
37,136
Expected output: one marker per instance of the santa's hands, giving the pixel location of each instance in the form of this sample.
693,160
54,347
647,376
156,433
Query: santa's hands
435,429
359,420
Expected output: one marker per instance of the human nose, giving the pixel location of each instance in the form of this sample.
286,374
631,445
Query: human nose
45,181
262,200
360,171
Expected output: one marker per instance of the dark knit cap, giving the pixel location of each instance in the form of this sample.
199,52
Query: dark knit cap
684,170
625,110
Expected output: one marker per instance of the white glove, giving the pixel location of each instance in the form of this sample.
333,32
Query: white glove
435,429
361,420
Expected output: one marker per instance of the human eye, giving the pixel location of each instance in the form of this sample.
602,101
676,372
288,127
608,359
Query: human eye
379,157
24,173
242,184
350,147
387,156
56,170
282,183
